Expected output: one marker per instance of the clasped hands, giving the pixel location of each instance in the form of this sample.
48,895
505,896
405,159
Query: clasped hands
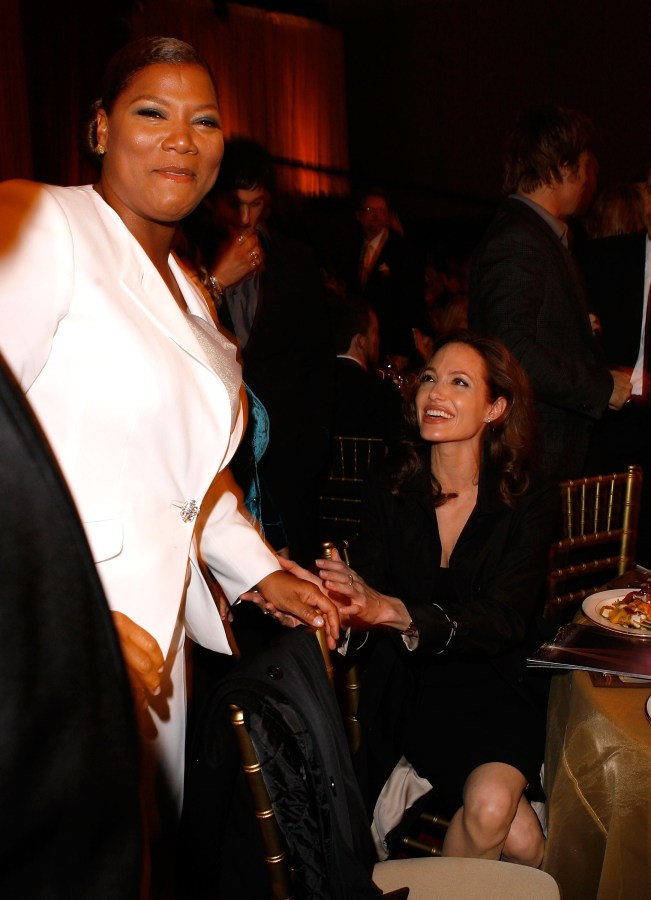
294,596
292,600
357,603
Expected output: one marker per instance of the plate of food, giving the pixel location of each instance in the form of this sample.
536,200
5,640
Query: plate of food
625,611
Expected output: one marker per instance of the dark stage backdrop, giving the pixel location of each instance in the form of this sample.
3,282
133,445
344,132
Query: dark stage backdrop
433,85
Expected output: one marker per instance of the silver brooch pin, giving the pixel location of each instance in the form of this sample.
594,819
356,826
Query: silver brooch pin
189,510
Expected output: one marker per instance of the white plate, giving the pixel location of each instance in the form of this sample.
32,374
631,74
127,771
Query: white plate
592,608
647,708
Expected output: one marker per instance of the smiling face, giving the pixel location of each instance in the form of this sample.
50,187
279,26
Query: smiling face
163,143
452,401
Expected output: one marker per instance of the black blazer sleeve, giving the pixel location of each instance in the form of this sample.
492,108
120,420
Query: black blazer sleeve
526,291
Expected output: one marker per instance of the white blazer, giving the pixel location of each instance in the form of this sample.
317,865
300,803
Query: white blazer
140,422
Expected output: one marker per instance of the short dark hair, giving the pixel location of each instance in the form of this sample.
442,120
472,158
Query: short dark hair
125,64
348,316
509,442
543,141
361,196
246,166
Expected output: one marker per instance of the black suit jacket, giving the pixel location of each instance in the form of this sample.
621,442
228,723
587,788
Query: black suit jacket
68,750
526,290
365,405
395,289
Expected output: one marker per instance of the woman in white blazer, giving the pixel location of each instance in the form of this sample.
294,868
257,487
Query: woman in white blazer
137,391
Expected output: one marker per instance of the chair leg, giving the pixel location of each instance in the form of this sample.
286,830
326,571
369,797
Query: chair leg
420,847
275,851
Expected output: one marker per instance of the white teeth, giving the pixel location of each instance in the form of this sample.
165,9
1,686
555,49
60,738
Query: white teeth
437,414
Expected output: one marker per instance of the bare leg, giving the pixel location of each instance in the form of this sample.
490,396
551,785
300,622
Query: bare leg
493,805
525,843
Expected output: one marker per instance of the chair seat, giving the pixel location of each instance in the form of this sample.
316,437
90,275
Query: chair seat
465,879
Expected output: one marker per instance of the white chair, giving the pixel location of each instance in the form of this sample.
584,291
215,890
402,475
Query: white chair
465,879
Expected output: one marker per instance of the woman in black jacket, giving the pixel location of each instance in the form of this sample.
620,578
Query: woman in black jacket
455,545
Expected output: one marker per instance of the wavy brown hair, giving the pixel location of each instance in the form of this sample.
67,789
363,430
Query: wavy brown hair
509,441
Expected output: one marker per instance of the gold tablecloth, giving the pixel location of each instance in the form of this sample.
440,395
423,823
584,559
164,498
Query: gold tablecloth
598,785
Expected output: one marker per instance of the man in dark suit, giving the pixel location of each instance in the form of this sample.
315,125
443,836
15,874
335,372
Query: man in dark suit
71,823
365,405
526,290
617,272
277,313
384,271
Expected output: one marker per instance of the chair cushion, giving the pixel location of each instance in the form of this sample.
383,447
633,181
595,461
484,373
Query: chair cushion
465,879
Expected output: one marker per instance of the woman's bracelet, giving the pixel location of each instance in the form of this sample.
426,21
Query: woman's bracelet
453,629
216,289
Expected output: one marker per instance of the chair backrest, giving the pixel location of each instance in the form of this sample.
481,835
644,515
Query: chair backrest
600,520
294,754
340,492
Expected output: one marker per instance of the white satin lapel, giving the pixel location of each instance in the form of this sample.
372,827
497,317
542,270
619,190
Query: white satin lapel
142,281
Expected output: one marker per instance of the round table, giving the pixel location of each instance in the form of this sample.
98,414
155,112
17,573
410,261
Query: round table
598,785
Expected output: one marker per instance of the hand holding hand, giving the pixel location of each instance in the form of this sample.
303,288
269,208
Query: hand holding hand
357,602
295,601
290,566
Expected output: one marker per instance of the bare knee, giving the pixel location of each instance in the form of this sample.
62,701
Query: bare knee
488,813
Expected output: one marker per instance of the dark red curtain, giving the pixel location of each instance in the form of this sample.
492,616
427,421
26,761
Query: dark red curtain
15,134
